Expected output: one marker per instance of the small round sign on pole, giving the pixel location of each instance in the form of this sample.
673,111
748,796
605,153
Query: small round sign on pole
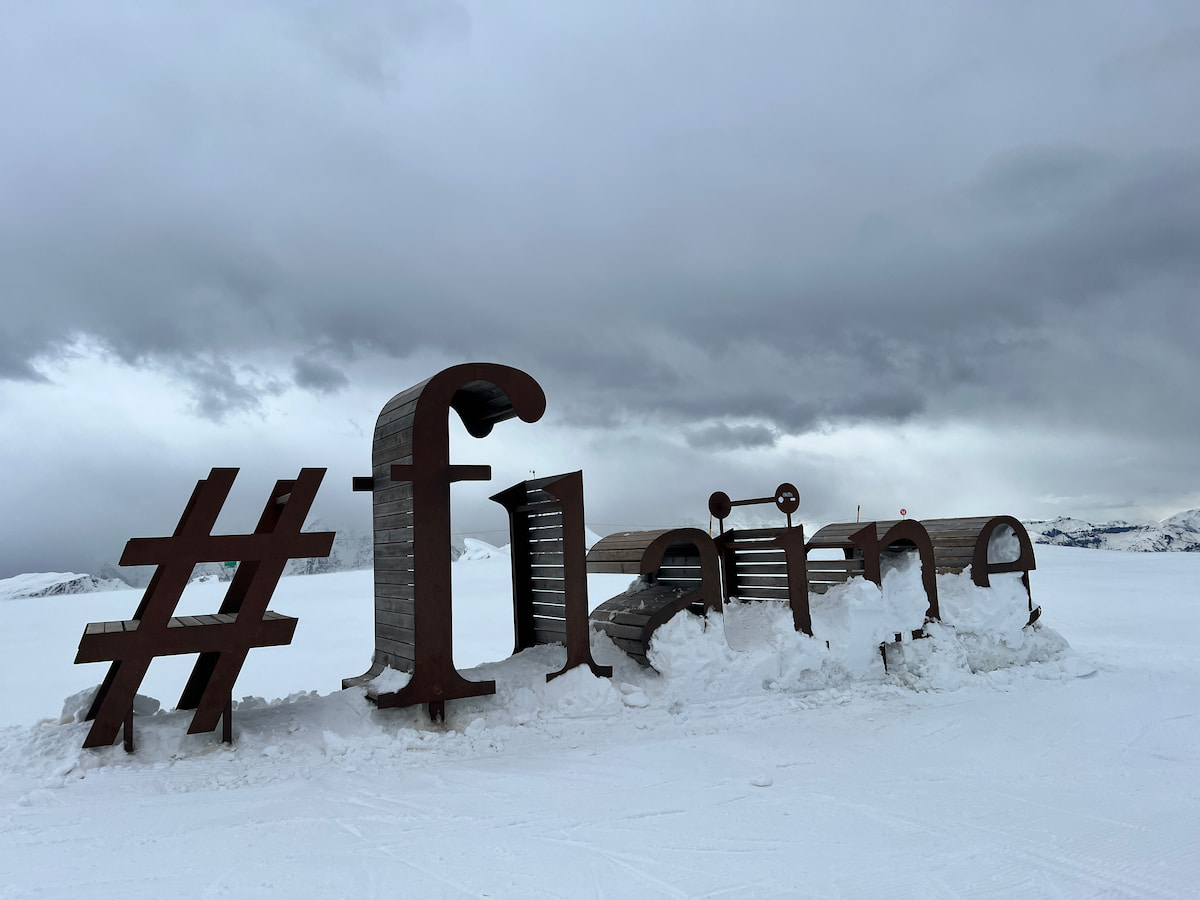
903,512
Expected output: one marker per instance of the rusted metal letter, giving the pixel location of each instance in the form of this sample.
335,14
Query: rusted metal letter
410,485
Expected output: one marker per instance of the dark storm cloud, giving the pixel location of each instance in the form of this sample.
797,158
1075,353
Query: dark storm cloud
318,376
732,437
800,216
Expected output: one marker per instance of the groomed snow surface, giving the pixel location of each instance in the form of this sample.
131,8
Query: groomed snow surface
990,760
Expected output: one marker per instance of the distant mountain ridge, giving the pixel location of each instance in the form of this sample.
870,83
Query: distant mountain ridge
55,584
354,550
1178,533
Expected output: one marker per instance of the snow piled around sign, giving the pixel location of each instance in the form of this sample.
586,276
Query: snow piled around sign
750,650
982,630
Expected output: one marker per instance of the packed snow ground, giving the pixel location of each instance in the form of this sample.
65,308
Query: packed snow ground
991,761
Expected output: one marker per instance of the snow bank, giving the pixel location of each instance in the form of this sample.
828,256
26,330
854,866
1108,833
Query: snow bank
751,651
754,646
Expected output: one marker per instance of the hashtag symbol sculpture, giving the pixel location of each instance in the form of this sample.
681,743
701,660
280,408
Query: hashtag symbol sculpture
223,640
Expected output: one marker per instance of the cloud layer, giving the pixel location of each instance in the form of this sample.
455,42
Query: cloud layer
731,224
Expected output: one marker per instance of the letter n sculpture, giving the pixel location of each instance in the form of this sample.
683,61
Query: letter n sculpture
222,640
410,483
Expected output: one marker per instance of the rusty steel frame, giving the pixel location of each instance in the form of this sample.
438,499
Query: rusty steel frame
786,499
223,640
634,614
906,531
565,495
710,564
981,568
410,485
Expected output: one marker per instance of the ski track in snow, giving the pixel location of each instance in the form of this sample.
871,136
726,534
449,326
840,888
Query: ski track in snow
986,769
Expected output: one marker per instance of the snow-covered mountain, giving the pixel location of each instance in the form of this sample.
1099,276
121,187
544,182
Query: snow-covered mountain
353,550
54,584
1180,532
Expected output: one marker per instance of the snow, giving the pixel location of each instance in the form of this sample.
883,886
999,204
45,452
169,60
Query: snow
52,584
1180,532
988,760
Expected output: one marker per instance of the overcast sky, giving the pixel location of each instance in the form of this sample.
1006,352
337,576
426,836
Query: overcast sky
939,256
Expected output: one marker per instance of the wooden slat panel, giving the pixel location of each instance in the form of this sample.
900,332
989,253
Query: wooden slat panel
626,539
679,572
395,576
392,552
388,491
403,605
382,521
394,633
741,548
616,555
636,649
548,610
777,581
614,568
395,446
549,625
744,533
616,630
394,591
763,568
403,651
945,558
682,576
834,565
393,535
402,405
395,619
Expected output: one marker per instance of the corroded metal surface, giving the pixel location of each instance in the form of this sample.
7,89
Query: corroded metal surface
222,640
548,548
786,499
765,563
410,486
679,569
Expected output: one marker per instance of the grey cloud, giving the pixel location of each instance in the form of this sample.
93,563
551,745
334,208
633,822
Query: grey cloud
361,41
677,216
314,375
724,240
16,361
722,436
1168,56
219,390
